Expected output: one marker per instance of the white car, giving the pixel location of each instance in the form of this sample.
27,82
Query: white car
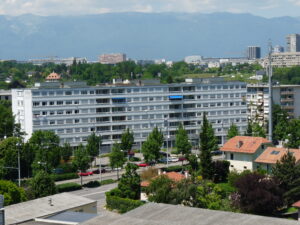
173,159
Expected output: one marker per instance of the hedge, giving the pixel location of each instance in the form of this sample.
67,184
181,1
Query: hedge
122,205
92,184
68,187
173,169
64,176
108,181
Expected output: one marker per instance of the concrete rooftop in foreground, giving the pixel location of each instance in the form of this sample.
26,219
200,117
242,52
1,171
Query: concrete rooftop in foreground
162,214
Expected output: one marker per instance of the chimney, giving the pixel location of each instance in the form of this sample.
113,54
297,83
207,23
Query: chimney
186,174
50,201
159,172
240,144
164,172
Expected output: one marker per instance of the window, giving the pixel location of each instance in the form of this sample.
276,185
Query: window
36,104
44,103
231,156
68,102
60,112
68,93
59,103
76,102
76,121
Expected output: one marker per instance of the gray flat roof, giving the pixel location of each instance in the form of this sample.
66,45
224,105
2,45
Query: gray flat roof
40,207
162,214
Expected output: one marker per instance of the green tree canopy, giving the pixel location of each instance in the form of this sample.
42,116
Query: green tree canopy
45,145
232,131
11,192
293,134
129,184
160,190
127,140
116,157
151,147
208,143
66,152
182,141
93,145
287,172
81,158
42,185
6,119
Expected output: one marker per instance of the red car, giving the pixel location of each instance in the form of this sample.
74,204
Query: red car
143,164
83,174
182,159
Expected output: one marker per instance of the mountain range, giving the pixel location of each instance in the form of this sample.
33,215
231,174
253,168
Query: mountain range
140,35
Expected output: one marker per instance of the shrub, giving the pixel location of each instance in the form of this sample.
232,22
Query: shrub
11,192
122,205
173,169
134,159
226,188
233,176
68,187
42,185
92,184
65,176
149,173
67,167
108,181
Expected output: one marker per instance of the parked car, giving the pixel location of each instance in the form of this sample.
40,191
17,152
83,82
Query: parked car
83,174
142,164
182,159
97,171
164,160
173,159
217,152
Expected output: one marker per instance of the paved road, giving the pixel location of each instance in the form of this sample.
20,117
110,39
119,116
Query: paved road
97,194
113,175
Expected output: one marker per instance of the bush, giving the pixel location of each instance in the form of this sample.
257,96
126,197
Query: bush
67,187
233,176
65,176
92,184
173,169
42,185
122,205
11,192
108,181
227,189
134,159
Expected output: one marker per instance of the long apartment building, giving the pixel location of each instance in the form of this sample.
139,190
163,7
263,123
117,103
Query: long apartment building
74,110
287,96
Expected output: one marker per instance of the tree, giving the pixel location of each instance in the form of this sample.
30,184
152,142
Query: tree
258,131
116,157
258,194
160,190
208,143
127,140
129,184
208,195
232,131
280,122
93,145
42,185
221,171
293,134
182,141
6,119
66,152
81,159
45,145
11,192
151,147
249,130
287,172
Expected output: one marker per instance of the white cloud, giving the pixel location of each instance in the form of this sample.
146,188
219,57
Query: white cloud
79,7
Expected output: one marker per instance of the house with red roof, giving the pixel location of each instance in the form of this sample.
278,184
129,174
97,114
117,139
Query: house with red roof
273,154
242,151
52,77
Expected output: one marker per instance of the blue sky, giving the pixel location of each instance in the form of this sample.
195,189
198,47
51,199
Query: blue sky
266,8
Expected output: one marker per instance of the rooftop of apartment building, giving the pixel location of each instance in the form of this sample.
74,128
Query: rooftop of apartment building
126,83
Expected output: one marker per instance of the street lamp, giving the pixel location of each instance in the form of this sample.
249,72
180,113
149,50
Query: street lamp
166,123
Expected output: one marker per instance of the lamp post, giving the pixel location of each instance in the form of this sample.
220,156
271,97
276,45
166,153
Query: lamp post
100,169
166,123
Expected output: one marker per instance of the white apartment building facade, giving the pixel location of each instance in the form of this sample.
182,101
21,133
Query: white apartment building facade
287,96
74,110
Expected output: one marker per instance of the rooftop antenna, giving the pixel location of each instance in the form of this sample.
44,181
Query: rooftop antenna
270,73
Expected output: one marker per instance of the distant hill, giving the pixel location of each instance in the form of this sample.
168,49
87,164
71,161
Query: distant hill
140,35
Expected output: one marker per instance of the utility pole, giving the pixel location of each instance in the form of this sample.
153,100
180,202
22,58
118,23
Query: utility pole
19,166
270,73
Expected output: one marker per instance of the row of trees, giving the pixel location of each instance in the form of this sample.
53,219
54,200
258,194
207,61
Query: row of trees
100,73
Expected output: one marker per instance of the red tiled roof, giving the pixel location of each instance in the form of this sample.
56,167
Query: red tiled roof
268,157
171,175
53,76
296,204
244,144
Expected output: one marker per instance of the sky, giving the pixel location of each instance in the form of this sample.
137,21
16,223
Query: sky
265,8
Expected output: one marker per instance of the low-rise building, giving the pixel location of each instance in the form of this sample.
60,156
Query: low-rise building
242,151
112,58
273,154
5,95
